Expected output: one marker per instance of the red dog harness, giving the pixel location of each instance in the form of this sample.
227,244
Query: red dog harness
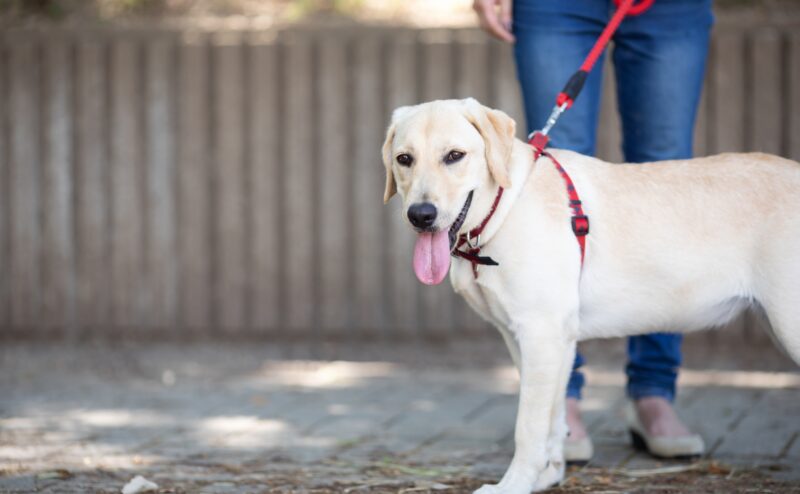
580,222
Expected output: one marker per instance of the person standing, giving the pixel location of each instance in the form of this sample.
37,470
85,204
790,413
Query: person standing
659,61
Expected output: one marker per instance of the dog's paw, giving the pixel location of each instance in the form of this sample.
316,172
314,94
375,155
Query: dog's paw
516,483
488,489
550,476
502,488
511,484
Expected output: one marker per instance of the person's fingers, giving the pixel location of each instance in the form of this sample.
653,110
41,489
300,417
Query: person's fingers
506,15
489,21
484,9
493,23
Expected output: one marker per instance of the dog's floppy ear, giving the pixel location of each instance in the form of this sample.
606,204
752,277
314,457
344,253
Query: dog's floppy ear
391,188
497,130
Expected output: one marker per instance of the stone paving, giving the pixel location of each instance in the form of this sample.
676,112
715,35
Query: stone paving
249,416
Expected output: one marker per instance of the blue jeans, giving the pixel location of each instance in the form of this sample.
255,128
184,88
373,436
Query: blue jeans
659,60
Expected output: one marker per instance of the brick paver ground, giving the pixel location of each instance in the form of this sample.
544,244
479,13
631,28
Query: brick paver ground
238,417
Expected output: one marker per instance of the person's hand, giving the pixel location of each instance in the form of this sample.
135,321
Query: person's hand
495,21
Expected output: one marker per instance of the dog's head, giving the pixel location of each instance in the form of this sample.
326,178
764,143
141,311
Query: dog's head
435,155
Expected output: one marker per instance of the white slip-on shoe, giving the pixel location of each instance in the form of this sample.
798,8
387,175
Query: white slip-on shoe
578,451
681,447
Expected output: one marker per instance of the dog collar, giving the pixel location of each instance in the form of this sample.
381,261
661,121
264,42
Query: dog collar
473,250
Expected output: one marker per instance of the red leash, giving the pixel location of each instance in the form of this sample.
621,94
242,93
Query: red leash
575,83
538,140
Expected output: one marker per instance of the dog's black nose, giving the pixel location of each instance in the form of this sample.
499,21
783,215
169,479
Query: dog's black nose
422,214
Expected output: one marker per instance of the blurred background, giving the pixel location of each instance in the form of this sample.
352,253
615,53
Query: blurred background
199,282
186,168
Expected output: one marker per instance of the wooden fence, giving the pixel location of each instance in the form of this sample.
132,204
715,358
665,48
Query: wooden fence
161,181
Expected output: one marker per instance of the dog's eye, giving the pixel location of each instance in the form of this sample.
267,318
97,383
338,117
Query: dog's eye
404,159
453,156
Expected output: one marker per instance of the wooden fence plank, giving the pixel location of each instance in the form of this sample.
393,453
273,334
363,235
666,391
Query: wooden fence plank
728,90
58,277
437,304
127,228
298,174
334,183
368,180
403,286
25,184
194,198
506,95
437,60
160,265
472,59
793,109
5,233
266,195
767,101
93,284
229,183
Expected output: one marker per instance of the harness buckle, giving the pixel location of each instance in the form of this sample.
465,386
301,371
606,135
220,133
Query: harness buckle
580,225
477,241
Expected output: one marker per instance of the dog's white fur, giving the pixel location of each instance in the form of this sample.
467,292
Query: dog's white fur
675,245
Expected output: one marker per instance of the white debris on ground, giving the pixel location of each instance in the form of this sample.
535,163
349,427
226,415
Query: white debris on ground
139,484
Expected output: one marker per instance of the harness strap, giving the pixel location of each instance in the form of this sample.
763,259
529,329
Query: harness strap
580,222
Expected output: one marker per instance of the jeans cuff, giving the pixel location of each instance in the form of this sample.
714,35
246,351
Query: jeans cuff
574,392
638,391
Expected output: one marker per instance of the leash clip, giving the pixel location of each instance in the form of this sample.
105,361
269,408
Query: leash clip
477,241
551,120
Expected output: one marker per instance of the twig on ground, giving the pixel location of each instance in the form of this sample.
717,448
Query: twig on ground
659,471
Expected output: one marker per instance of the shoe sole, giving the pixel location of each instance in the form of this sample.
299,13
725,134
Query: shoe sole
640,444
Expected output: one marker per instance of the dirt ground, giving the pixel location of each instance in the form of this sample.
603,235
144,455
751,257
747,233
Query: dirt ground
699,478
257,417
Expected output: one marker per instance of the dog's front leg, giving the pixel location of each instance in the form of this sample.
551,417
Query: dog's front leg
544,351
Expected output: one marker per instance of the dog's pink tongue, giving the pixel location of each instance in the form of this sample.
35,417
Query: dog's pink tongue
432,257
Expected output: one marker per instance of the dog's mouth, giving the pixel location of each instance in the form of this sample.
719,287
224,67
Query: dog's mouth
432,250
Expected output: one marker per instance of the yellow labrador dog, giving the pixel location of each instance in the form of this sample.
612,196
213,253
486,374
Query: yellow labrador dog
674,246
